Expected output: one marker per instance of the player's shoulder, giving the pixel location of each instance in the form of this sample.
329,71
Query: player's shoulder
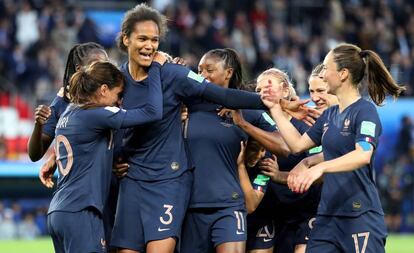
365,107
173,69
59,101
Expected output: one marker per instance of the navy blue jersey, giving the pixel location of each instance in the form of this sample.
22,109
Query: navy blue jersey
57,107
348,193
84,148
295,206
156,151
214,144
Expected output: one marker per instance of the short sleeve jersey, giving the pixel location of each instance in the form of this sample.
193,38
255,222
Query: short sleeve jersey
214,144
348,193
156,151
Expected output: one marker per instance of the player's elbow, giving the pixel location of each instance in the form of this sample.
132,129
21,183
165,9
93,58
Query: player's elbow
33,154
250,207
365,158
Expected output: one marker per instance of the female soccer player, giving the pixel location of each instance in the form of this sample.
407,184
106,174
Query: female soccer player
84,150
289,212
216,218
80,55
154,194
350,216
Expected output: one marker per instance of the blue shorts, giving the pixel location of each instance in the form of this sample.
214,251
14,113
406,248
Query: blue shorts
77,232
108,215
365,233
206,228
261,228
149,211
291,234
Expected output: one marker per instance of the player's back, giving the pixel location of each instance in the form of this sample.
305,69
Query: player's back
84,152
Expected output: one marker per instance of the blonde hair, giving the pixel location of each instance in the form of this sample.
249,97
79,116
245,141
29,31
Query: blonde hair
283,77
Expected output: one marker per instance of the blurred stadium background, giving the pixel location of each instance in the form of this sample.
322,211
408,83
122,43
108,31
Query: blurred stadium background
293,35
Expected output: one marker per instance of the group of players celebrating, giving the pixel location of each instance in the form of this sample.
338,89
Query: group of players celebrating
153,157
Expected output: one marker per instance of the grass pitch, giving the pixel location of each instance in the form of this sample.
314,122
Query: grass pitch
395,244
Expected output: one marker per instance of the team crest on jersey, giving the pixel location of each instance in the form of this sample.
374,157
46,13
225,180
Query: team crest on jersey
345,129
175,165
346,124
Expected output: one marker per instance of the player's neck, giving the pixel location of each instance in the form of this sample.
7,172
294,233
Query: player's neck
347,96
138,73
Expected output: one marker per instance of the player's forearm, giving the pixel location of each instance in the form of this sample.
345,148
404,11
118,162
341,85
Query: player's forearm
153,109
36,146
290,134
349,162
313,160
272,142
251,197
232,98
281,177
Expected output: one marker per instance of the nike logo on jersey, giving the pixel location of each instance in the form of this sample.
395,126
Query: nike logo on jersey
162,229
266,240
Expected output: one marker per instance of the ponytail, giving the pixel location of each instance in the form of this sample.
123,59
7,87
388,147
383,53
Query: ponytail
367,63
380,81
85,82
82,87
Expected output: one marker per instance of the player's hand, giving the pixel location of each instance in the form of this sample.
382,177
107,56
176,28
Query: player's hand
42,113
47,170
120,168
240,158
180,61
269,97
299,110
161,57
295,172
270,168
184,113
304,180
237,116
224,112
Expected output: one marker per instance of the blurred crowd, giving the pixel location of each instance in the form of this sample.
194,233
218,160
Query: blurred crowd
23,219
396,181
36,36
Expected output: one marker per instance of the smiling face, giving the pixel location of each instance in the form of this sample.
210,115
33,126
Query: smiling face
330,74
212,68
142,43
317,87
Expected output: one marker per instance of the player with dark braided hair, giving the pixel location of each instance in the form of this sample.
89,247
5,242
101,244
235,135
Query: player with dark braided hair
44,131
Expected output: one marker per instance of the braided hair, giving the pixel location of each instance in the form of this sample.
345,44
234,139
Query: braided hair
79,56
231,60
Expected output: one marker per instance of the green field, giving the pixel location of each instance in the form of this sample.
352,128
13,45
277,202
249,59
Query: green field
395,244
